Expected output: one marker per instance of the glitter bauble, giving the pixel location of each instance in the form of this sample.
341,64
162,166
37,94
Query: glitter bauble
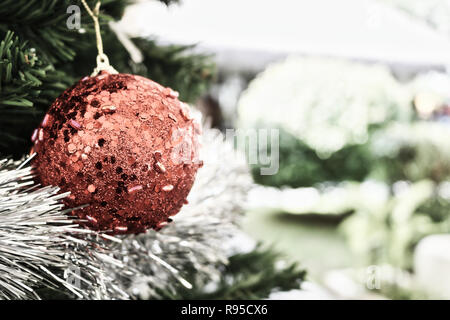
122,144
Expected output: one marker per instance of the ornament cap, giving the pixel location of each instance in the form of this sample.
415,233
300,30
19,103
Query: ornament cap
103,65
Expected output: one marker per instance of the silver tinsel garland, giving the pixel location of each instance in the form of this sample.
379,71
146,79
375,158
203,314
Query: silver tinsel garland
40,245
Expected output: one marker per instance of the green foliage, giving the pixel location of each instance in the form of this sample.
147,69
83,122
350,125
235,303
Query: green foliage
325,120
252,275
395,291
300,166
43,24
437,208
412,152
21,73
387,232
397,151
176,67
26,82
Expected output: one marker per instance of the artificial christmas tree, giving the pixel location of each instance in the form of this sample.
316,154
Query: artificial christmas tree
45,252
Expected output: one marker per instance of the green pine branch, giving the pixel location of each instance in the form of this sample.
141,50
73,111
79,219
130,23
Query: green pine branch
177,67
21,72
252,275
28,85
43,24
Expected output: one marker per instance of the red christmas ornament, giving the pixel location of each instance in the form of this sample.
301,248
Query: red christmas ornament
123,144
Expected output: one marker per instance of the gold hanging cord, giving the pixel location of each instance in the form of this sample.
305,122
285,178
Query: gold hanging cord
102,58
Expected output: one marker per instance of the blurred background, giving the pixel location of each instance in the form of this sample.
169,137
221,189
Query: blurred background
360,93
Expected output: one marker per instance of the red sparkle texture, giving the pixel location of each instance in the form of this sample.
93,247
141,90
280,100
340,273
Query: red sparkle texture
114,142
